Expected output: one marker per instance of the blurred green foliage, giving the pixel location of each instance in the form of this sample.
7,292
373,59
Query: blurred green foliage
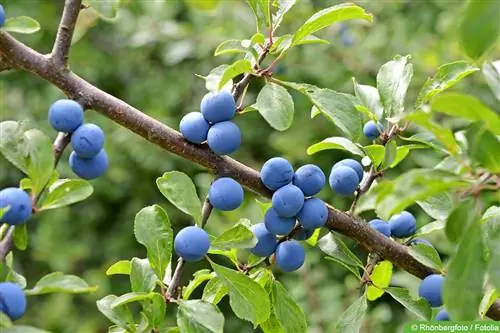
148,57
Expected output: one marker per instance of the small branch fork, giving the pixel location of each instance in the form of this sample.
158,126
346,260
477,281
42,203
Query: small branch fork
20,56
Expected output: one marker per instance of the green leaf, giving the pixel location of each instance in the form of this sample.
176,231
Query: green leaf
260,9
336,142
154,309
179,189
283,7
340,253
23,329
446,76
393,80
313,240
438,206
65,192
329,16
106,10
21,237
376,153
152,229
443,135
57,282
129,298
467,107
463,287
390,153
40,158
426,255
491,72
237,237
286,310
213,78
198,278
121,267
247,298
482,145
419,306
120,316
197,316
490,296
460,219
272,325
476,34
5,321
21,25
275,105
381,277
429,227
238,67
337,107
142,277
369,98
230,46
352,319
214,291
491,227
401,153
11,134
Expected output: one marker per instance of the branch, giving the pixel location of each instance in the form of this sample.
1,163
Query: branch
6,243
62,43
91,97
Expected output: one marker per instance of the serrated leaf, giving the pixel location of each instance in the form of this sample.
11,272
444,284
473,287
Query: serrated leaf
329,16
57,282
129,298
21,236
446,76
11,134
213,78
247,298
376,153
429,227
426,255
369,98
198,278
438,206
275,105
260,9
121,267
335,142
466,274
491,72
152,229
237,237
272,325
480,29
40,158
381,278
491,227
142,277
286,310
351,319
197,316
154,310
460,219
214,291
467,107
120,316
21,25
229,47
179,189
66,192
419,306
238,67
393,80
283,7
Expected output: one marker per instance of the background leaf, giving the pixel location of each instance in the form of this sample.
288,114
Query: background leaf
21,25
393,80
59,283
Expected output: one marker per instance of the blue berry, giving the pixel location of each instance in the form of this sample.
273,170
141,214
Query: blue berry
303,234
288,201
343,180
381,226
276,172
224,138
12,300
2,16
20,205
310,179
194,127
371,130
276,224
266,241
431,289
313,214
217,107
65,115
88,140
442,315
420,241
353,164
225,194
89,168
290,256
192,243
403,224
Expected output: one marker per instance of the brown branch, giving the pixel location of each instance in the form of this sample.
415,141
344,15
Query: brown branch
373,260
64,36
173,288
154,131
6,243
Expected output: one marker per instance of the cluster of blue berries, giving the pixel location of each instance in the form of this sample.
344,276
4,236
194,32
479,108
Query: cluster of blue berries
12,300
346,176
88,159
2,16
213,124
291,201
431,289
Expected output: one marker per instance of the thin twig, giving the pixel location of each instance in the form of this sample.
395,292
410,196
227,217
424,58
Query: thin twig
373,259
173,288
205,212
64,36
6,243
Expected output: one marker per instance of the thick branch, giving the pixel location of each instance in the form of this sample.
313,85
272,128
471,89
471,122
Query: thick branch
154,131
62,43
